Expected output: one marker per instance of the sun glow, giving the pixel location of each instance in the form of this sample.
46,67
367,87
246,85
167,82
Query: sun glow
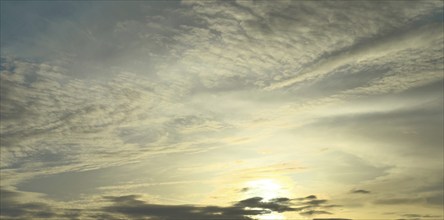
271,216
265,188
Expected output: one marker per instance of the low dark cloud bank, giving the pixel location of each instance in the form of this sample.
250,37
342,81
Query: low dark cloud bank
131,206
13,206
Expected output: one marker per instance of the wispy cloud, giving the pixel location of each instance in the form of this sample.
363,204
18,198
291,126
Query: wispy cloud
153,97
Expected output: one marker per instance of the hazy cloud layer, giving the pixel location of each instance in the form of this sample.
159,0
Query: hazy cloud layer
256,99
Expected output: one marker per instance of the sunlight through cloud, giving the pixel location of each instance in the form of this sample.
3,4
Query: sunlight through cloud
265,188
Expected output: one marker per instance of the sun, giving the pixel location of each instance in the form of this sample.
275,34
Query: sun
265,188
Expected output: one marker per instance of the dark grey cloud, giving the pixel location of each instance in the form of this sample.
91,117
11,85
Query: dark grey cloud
275,204
11,207
311,205
316,202
315,212
104,216
281,199
132,206
307,198
360,191
310,197
245,189
71,214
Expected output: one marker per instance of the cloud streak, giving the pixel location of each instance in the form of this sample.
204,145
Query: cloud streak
360,191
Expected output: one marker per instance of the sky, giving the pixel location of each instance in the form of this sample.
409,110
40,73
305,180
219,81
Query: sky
171,110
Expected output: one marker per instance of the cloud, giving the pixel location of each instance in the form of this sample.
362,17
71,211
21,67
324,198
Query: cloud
276,204
311,205
371,56
360,191
315,212
316,202
132,207
245,189
273,36
11,207
53,123
310,197
14,205
282,199
99,86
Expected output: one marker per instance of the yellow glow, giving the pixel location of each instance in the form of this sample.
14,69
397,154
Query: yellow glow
265,188
271,216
